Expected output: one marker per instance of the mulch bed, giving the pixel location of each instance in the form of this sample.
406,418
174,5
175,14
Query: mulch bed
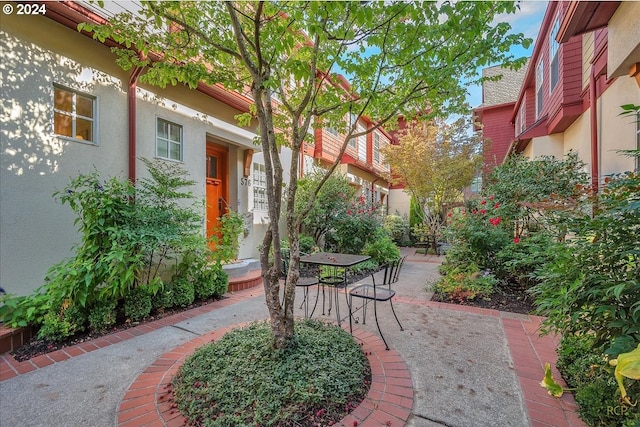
509,298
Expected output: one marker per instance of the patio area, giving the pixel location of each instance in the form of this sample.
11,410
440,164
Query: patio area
452,365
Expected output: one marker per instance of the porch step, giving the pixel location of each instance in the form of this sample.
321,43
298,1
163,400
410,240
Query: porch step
248,280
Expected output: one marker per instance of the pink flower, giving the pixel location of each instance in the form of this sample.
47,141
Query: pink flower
516,240
497,205
484,202
491,197
483,211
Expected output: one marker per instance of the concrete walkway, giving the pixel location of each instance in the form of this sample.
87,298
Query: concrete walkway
464,366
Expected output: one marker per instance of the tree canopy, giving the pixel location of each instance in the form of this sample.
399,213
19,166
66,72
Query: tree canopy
436,161
401,58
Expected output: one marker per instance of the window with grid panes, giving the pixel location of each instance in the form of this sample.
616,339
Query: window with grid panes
539,81
259,185
376,147
554,46
168,140
74,114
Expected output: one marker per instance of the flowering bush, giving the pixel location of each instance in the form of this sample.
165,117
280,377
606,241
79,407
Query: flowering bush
477,235
357,228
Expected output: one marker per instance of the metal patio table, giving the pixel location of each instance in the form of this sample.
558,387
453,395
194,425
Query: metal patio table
337,260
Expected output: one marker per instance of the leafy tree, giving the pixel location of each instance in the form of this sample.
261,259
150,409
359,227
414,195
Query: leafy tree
401,58
330,204
436,161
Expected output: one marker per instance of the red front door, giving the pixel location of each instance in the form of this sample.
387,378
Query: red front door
216,194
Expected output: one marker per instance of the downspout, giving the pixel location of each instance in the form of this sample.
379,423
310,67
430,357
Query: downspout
594,130
131,98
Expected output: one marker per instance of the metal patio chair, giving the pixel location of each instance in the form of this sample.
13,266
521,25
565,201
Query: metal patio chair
377,292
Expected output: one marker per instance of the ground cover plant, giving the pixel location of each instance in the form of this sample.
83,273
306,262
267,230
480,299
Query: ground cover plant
316,379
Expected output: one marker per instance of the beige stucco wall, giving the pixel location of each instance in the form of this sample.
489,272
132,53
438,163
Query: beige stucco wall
577,138
548,145
623,48
38,232
399,202
617,132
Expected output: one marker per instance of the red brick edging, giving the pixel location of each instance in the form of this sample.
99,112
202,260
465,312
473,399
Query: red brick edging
148,401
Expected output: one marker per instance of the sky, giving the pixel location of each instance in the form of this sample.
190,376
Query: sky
527,21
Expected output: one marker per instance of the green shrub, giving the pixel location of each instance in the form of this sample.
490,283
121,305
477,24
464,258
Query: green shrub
465,283
137,304
55,328
221,382
163,298
183,292
382,250
367,266
122,244
517,261
591,284
102,315
212,282
357,228
397,227
307,244
585,369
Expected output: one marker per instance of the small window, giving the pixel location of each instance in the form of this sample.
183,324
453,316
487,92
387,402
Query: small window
554,46
74,114
376,147
539,81
169,140
259,188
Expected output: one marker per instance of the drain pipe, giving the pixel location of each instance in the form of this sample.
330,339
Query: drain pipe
131,98
593,100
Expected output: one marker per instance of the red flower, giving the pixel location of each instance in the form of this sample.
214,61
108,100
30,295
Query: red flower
483,211
491,197
484,202
516,240
495,221
497,205
449,215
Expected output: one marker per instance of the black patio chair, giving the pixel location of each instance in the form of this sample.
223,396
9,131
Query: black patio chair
377,292
303,282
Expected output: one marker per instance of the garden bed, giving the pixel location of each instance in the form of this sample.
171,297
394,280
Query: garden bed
511,299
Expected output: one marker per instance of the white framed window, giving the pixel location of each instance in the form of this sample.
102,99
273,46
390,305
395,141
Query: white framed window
168,140
352,120
554,47
332,131
539,81
376,147
74,114
259,188
522,116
